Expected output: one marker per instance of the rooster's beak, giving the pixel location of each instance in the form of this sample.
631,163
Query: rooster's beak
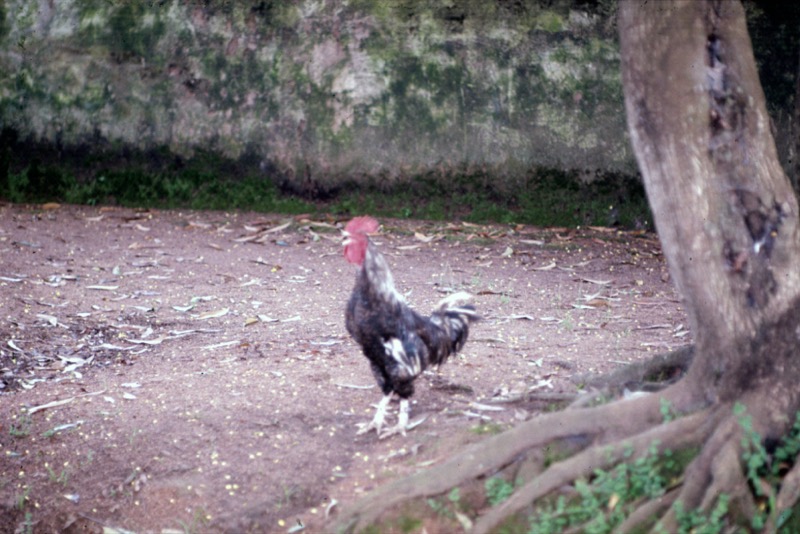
346,239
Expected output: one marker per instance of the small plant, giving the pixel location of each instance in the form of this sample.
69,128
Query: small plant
89,458
22,428
441,508
289,493
666,410
27,524
23,498
61,478
764,468
606,499
697,522
447,507
498,490
198,522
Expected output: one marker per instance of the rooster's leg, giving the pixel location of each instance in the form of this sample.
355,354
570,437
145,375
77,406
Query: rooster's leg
402,421
380,416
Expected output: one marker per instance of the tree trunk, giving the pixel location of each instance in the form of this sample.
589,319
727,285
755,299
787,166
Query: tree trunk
724,210
795,133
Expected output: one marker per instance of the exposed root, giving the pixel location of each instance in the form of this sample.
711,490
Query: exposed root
610,434
651,508
608,423
727,477
787,496
651,375
715,471
675,435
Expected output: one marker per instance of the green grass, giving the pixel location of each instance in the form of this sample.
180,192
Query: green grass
135,188
546,197
542,197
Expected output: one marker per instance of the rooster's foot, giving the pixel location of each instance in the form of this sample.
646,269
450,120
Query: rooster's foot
378,420
402,422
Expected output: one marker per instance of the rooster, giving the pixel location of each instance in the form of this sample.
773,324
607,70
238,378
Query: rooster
399,343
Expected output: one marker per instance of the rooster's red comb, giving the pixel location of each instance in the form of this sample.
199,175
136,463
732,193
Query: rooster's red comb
362,225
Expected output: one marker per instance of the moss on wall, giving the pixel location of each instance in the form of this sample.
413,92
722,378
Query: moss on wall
321,90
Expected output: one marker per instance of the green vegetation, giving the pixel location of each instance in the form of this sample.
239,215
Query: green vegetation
404,524
604,501
198,523
60,478
21,428
544,197
487,429
695,522
191,187
3,23
498,490
766,469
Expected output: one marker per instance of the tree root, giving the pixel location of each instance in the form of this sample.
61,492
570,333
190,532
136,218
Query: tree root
676,435
610,434
715,471
652,375
652,508
603,424
787,496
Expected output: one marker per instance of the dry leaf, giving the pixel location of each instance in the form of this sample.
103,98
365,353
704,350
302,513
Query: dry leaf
246,239
48,318
156,341
53,404
547,267
486,407
278,228
597,282
213,314
425,238
220,345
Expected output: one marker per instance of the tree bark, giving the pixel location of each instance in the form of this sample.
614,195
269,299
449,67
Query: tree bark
795,132
724,210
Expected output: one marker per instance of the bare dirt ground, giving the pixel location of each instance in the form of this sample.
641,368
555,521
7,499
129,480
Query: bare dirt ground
187,371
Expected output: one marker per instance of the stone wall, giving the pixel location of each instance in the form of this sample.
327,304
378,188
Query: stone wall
322,90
